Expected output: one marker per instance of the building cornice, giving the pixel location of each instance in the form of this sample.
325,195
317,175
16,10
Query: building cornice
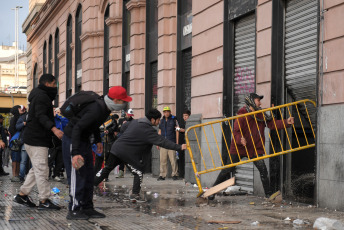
44,17
113,20
135,4
61,54
87,35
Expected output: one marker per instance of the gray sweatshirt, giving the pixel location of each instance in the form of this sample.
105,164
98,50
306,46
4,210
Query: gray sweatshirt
136,143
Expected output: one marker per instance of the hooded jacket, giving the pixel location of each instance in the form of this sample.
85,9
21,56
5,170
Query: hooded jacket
135,144
12,128
41,118
258,136
88,121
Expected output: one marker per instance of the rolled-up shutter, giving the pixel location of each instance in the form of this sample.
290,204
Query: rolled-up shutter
244,82
301,50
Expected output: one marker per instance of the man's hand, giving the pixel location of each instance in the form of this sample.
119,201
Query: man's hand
57,132
2,144
243,141
183,146
24,123
99,147
77,161
106,131
158,148
290,120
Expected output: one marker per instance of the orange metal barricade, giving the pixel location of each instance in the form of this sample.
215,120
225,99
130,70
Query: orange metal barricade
209,152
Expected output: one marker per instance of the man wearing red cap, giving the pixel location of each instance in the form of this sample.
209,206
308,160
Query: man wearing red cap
77,150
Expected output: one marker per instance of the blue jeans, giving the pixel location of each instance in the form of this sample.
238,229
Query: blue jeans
23,162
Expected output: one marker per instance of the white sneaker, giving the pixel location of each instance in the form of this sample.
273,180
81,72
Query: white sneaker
57,179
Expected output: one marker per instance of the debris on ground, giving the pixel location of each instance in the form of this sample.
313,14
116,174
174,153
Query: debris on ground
273,196
224,222
219,187
234,190
324,223
256,223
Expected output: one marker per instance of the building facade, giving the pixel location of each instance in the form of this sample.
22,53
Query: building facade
205,56
7,68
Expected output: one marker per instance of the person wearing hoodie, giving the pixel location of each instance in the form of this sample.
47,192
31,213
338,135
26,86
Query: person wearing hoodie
249,129
133,148
40,127
17,111
3,144
77,150
24,158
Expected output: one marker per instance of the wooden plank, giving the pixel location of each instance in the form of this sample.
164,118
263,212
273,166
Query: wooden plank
219,187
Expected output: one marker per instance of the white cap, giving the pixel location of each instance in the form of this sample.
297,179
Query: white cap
130,112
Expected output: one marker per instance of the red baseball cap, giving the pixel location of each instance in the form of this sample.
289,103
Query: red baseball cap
120,93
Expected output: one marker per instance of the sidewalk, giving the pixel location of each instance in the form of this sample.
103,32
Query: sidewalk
170,205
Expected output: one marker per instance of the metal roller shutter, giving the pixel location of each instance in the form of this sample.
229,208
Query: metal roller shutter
244,82
301,50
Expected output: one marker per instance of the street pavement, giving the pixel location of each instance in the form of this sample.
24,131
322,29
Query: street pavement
170,205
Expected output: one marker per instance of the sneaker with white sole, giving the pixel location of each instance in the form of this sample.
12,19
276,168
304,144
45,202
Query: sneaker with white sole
48,205
136,198
58,179
24,200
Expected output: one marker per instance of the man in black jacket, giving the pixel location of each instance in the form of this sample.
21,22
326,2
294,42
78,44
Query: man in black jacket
40,127
132,149
77,151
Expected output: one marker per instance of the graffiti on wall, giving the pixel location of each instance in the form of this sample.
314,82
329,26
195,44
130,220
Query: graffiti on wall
244,81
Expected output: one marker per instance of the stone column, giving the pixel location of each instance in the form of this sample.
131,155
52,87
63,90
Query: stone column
137,10
92,48
115,43
167,50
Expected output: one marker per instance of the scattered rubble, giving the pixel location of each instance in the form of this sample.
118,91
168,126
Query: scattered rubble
324,223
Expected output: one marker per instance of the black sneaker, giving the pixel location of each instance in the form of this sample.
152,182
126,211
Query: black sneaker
92,213
24,200
174,178
161,178
48,205
77,215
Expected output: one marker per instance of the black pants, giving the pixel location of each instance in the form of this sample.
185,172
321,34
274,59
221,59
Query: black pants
80,181
55,161
112,163
228,173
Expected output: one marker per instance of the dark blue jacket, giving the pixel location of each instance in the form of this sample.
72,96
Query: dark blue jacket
168,128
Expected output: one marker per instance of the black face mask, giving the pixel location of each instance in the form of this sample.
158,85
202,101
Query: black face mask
51,91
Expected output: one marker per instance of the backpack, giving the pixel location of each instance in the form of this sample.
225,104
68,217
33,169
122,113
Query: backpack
75,103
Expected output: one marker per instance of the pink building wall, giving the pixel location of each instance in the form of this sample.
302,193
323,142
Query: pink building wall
333,50
263,50
207,58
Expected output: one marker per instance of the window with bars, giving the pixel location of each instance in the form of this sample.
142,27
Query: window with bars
78,31
34,77
106,82
50,55
44,57
57,64
126,47
69,57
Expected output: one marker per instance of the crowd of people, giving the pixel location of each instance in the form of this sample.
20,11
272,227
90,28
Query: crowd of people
86,140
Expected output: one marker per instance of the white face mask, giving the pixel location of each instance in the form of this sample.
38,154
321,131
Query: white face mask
112,106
